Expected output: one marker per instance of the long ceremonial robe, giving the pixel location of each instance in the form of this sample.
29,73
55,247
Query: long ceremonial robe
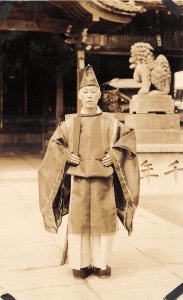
118,141
92,208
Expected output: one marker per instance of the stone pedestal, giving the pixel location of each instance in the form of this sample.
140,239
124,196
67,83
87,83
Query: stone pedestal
157,126
151,103
158,136
153,121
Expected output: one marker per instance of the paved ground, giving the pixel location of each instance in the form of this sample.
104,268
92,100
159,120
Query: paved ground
145,266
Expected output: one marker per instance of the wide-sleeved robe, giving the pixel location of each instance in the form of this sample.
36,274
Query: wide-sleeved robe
54,181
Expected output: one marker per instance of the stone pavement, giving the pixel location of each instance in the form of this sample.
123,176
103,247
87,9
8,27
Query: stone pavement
146,266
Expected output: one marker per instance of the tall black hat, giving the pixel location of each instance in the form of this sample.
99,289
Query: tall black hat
89,78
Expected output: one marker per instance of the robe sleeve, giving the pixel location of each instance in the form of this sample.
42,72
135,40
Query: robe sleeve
124,144
50,175
60,138
123,154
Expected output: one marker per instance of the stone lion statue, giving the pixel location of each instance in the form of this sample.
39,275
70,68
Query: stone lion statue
148,70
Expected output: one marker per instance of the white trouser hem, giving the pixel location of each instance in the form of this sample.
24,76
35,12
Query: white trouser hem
86,249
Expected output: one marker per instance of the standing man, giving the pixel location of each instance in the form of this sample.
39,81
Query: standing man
96,154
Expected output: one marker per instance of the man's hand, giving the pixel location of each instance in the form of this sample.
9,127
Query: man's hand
107,160
73,159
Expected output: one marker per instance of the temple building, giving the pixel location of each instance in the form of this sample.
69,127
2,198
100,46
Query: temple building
45,46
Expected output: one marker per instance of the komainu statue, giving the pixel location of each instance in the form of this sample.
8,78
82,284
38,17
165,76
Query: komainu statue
148,70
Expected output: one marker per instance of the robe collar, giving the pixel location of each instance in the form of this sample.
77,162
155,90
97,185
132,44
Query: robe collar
84,114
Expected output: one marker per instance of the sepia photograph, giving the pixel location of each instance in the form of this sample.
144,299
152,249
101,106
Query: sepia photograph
91,150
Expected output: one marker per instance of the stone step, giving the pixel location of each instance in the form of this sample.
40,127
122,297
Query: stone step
157,148
148,103
153,121
159,136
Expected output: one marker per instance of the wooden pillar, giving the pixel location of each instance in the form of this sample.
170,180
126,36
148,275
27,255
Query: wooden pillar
25,92
59,97
80,70
1,97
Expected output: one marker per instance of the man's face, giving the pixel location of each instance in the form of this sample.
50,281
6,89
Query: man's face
89,96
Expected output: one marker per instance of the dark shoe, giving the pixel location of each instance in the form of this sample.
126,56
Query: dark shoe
102,273
82,273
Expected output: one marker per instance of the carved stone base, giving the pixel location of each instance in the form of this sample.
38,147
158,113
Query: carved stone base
153,121
156,125
147,103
